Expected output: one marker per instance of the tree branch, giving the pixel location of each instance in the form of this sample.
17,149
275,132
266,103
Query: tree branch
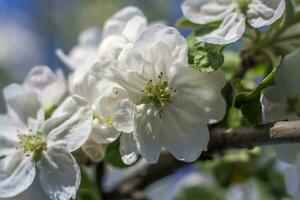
284,132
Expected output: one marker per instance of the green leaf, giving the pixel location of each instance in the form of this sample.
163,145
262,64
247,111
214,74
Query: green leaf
205,192
88,189
204,57
249,102
234,119
113,155
186,24
200,29
206,28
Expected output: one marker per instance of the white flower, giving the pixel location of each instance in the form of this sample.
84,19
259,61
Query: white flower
282,102
172,103
120,32
30,145
233,14
84,54
292,180
105,98
50,86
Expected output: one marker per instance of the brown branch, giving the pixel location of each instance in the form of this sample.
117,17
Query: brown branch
220,139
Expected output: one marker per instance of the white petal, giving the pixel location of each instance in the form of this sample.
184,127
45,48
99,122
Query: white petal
111,94
274,106
112,47
79,57
96,152
59,174
231,30
182,131
203,90
90,83
17,173
287,152
8,129
7,145
134,28
90,37
21,103
173,42
128,149
147,124
70,125
49,86
84,84
292,181
123,116
265,12
35,191
116,24
206,11
287,77
130,80
104,134
85,53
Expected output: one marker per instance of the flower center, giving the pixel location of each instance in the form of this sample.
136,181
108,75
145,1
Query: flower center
243,5
294,105
100,118
157,94
33,144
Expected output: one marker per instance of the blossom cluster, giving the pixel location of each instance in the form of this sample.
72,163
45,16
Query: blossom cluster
131,83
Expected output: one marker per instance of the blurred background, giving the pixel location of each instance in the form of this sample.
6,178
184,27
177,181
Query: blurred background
31,31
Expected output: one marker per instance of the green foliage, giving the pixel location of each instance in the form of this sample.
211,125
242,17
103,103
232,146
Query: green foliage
113,155
200,192
186,24
249,102
234,118
199,29
204,57
237,167
87,189
253,171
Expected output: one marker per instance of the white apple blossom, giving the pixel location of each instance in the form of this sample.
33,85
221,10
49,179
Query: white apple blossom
172,103
120,32
31,147
292,180
282,102
84,54
105,97
234,14
50,86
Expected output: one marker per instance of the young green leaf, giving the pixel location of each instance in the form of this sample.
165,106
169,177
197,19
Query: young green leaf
249,102
204,57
